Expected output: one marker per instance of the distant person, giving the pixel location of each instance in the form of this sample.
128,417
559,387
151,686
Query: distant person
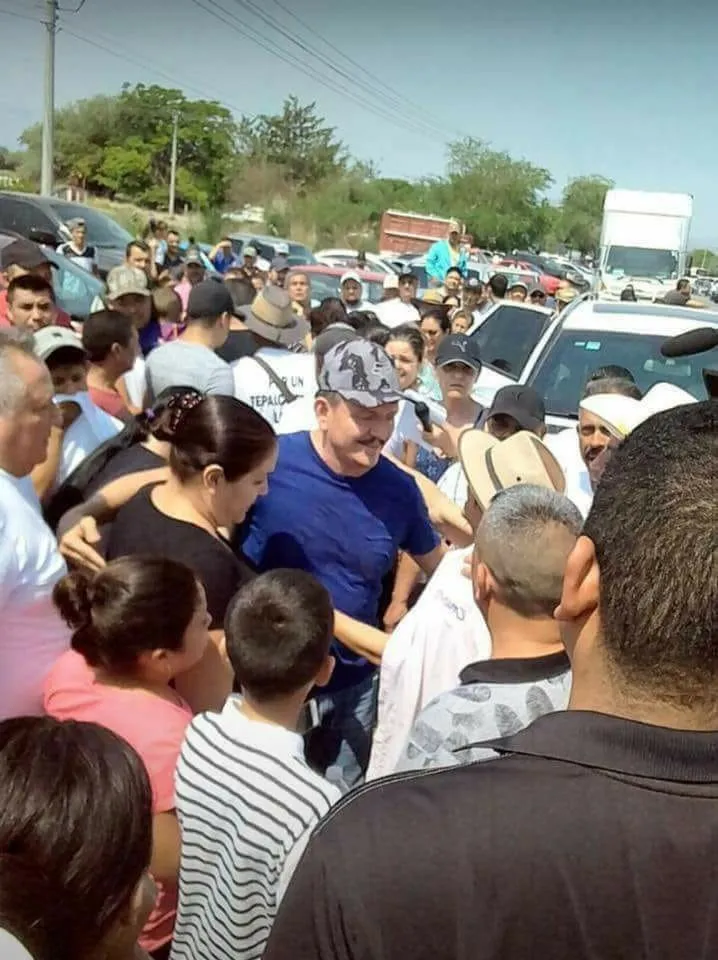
445,254
172,257
194,272
628,294
22,258
352,292
111,344
279,271
498,285
518,292
139,256
190,360
78,249
682,296
222,256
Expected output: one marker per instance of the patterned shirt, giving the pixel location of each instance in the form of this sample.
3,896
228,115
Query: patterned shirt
497,698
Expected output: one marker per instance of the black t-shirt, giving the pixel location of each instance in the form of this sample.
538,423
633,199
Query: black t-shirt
239,343
134,459
140,528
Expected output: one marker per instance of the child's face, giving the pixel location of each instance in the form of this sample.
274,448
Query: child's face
70,378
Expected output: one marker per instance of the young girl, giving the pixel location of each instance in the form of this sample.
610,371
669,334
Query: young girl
137,624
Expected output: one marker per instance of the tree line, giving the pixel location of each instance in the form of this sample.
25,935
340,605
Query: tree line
294,165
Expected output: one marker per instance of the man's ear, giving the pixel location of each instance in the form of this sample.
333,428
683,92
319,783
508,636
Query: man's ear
484,584
321,409
579,598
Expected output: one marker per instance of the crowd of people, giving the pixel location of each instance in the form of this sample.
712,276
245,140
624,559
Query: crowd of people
257,552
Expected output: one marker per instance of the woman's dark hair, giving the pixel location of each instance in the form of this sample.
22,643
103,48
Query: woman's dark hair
378,334
27,907
330,310
441,315
363,321
77,810
160,421
133,605
409,333
224,431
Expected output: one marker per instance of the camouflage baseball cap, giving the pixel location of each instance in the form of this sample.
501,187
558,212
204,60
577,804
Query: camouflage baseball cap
361,372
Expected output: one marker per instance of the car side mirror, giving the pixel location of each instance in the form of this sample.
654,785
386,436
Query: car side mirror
43,237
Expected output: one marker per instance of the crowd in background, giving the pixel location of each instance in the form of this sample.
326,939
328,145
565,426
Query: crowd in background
257,550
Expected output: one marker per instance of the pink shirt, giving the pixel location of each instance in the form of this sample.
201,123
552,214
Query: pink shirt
153,726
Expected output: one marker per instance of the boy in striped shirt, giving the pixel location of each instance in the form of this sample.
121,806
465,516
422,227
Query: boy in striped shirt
246,799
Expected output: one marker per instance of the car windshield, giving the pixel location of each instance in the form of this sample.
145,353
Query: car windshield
102,231
640,262
76,289
567,362
327,285
508,337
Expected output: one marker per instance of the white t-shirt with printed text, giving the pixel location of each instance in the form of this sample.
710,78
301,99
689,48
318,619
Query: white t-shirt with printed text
254,386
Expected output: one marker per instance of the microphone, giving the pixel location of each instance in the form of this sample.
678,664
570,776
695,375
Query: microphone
690,343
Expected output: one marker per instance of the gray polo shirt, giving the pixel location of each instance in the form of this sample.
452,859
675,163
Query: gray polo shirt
180,364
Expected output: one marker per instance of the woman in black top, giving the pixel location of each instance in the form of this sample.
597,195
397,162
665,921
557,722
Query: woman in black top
144,444
221,458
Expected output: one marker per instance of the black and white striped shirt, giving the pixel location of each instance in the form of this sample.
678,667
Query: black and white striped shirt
247,803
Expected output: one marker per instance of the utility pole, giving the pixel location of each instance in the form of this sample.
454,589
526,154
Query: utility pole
48,121
173,169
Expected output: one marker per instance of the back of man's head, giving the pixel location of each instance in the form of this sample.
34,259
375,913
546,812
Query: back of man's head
499,284
654,527
278,631
15,346
524,540
616,385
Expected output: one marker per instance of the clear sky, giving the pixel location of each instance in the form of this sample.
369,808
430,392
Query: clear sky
624,88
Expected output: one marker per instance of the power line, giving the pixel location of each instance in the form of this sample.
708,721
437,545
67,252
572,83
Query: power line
393,102
266,44
400,97
20,16
129,58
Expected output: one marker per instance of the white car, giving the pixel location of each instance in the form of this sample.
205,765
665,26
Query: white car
507,334
348,258
595,333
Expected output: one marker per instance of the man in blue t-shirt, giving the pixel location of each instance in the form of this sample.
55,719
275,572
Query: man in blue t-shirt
339,510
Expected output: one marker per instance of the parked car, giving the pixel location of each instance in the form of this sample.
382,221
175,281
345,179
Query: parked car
75,288
269,247
44,220
593,333
552,268
348,260
324,282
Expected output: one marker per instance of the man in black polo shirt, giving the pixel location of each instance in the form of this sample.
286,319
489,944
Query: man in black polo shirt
595,834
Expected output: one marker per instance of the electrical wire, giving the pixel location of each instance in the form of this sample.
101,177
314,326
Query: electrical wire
401,98
392,101
267,44
117,52
20,16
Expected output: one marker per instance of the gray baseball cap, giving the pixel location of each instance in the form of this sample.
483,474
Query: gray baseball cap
125,280
361,372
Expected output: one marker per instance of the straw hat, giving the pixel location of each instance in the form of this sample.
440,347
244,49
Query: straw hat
492,465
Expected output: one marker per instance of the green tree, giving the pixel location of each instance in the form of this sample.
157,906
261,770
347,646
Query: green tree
297,140
121,146
500,199
582,212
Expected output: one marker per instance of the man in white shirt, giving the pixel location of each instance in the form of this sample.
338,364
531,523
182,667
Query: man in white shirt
275,378
395,309
579,449
78,248
33,636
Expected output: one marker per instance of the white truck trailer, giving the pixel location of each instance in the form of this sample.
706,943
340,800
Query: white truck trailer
644,242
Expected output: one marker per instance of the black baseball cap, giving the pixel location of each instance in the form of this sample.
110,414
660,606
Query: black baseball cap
334,334
280,263
522,403
22,253
209,298
458,348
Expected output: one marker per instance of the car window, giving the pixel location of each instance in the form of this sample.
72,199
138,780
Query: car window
569,360
508,336
420,274
22,217
102,231
74,287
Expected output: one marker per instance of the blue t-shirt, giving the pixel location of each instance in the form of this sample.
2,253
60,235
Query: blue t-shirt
346,531
223,262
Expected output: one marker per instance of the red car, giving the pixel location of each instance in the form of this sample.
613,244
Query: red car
549,284
324,281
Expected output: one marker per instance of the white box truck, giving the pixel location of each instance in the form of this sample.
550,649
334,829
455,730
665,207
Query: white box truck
644,242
